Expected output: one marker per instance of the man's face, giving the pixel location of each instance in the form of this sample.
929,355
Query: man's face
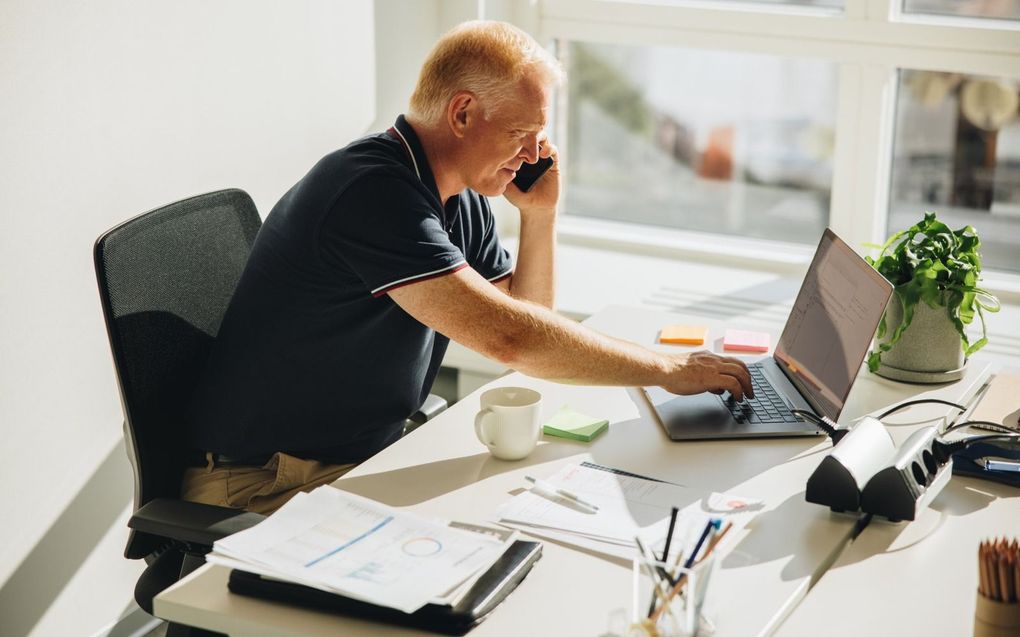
495,148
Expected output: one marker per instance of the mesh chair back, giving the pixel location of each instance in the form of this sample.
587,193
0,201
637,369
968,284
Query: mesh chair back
165,279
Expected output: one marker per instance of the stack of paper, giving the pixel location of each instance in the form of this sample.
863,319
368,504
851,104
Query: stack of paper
629,506
343,543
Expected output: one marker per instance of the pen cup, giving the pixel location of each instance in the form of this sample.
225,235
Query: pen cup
680,615
996,619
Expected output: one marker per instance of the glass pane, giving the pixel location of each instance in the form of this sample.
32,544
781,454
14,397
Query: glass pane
957,152
829,4
700,140
833,4
1002,9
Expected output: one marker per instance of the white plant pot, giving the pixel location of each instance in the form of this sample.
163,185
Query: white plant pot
929,351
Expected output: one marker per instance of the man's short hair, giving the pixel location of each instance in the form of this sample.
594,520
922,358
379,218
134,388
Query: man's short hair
484,57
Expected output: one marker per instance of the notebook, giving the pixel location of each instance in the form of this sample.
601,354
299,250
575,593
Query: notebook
814,365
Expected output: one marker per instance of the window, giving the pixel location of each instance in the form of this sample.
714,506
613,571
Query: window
957,151
708,141
1002,9
768,120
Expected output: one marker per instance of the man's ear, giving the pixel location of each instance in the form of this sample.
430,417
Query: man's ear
461,111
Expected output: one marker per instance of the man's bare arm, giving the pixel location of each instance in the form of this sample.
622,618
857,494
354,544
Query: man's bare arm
536,341
534,277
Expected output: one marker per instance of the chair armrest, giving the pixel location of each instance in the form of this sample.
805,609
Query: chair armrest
433,406
191,522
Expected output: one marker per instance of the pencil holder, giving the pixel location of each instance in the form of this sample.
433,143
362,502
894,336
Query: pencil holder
677,608
996,619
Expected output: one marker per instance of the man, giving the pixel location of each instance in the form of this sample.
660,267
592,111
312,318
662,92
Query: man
380,254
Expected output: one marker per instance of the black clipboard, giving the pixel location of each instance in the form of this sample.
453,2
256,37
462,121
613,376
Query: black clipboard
487,593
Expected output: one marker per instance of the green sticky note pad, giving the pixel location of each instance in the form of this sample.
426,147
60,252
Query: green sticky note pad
568,423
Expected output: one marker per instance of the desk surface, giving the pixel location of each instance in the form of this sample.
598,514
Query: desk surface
442,470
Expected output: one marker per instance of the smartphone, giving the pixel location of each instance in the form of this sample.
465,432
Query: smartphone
529,173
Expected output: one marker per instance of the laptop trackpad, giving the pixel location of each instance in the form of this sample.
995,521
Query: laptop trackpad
695,416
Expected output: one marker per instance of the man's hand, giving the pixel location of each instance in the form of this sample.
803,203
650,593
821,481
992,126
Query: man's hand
544,195
704,371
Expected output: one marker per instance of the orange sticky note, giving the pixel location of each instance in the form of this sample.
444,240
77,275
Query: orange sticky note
745,341
683,334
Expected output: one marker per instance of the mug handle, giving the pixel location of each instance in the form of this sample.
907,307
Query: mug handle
480,429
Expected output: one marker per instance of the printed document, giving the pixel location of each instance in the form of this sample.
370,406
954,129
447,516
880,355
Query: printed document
629,506
344,543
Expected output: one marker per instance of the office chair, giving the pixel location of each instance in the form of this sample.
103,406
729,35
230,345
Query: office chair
165,279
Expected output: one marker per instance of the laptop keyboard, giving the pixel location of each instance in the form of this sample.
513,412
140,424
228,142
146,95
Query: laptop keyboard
767,406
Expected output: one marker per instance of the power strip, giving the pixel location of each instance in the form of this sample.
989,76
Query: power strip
910,481
842,475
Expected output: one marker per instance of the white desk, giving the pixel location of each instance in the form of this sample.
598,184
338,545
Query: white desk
919,578
441,469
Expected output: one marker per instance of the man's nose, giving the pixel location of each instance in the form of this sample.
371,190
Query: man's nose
529,151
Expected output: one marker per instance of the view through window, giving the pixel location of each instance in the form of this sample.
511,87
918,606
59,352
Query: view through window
957,152
1001,9
710,141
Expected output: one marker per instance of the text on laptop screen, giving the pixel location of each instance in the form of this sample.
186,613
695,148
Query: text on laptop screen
832,323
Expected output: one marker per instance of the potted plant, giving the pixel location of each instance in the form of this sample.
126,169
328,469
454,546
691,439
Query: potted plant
935,271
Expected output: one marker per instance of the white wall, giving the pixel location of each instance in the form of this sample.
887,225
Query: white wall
109,108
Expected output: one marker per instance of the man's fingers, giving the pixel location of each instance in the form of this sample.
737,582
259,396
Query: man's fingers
732,385
737,361
740,373
547,149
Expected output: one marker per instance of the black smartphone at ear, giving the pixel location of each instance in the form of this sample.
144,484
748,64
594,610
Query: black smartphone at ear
528,174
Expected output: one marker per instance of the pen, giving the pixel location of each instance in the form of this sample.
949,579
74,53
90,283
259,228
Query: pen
544,488
665,555
999,464
660,587
712,524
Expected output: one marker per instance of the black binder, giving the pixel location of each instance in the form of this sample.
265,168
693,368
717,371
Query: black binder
965,461
490,589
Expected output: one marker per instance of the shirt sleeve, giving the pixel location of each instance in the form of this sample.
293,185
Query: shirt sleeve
389,234
485,253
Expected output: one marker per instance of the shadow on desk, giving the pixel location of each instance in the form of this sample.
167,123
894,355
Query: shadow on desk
770,540
420,483
962,497
711,465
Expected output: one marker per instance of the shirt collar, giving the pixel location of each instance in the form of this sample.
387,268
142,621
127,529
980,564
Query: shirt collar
412,145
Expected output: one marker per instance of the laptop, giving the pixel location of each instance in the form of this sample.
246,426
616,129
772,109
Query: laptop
815,363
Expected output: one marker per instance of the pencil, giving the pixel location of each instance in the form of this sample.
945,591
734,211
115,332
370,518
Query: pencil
982,574
716,540
1016,573
993,576
1007,573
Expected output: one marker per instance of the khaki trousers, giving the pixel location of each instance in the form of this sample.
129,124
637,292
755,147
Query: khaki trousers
258,489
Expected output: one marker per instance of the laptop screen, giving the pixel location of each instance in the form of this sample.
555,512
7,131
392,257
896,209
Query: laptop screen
831,325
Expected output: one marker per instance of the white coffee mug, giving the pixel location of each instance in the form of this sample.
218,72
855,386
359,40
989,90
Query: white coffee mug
509,423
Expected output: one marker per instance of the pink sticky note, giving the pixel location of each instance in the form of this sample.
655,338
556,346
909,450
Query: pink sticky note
745,341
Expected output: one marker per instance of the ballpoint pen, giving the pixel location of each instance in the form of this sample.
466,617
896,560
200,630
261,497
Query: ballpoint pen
999,464
544,488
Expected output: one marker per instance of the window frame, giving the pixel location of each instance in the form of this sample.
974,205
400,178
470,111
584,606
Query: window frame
869,41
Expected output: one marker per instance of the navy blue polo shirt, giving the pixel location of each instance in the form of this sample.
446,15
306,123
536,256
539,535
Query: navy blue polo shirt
313,358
